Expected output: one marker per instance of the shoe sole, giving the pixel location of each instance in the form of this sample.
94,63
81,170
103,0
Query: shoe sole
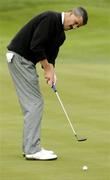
25,155
33,159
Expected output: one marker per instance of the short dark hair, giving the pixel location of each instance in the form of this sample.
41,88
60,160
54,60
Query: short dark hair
80,11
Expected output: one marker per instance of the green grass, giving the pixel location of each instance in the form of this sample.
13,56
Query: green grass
83,70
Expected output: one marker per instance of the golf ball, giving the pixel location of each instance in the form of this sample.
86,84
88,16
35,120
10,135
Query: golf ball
85,168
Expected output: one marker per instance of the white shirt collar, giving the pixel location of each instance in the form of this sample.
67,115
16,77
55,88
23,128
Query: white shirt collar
62,17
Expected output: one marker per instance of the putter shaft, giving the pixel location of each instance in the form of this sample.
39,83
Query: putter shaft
72,128
65,113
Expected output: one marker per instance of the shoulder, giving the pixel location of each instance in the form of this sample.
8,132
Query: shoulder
51,15
48,19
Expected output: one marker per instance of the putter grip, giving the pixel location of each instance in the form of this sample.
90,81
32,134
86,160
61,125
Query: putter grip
54,88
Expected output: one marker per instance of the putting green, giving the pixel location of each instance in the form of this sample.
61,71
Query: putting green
83,70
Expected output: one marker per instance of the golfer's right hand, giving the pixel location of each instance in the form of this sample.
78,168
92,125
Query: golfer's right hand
50,75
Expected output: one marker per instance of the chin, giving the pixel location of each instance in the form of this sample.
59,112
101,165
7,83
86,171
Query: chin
67,29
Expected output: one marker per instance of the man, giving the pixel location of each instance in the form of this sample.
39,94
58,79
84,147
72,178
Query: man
38,42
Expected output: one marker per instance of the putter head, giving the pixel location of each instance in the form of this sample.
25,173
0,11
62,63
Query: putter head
80,139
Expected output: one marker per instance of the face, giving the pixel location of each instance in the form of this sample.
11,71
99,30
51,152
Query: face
72,22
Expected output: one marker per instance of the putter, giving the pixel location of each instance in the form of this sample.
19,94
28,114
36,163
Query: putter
80,139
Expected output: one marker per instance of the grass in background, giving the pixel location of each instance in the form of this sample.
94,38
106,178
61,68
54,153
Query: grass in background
83,70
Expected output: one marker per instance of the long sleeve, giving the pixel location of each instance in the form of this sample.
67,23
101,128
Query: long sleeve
42,37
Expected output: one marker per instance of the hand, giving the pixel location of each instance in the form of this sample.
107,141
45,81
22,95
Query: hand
50,75
55,79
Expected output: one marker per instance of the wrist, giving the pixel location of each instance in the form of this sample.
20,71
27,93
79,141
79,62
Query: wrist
45,64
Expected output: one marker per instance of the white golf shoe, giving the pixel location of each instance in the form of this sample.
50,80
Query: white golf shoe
42,155
45,150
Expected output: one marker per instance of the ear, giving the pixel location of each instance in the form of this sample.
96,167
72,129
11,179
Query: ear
80,18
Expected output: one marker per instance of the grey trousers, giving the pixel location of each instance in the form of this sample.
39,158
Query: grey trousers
26,81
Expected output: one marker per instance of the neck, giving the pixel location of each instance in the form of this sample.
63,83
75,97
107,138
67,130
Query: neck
67,21
66,18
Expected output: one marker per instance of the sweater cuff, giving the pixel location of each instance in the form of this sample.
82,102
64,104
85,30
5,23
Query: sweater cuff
40,55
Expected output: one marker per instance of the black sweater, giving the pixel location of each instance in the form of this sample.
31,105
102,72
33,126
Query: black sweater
40,38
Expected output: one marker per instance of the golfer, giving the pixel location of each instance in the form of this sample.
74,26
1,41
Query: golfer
38,42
